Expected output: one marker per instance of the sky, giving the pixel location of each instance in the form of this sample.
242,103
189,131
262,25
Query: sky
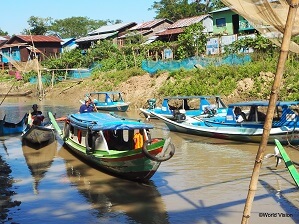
15,14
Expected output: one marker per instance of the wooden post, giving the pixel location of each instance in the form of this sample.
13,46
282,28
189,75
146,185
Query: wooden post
270,112
125,59
65,74
135,63
40,84
53,76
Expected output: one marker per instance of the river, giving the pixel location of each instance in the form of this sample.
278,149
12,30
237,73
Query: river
206,181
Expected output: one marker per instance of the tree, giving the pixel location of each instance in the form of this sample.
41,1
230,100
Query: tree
192,41
3,33
179,9
38,26
74,26
173,9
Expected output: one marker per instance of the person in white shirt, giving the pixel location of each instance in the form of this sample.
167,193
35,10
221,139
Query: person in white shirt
240,115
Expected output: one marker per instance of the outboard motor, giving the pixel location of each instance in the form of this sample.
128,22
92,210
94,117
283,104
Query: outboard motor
210,110
179,115
151,103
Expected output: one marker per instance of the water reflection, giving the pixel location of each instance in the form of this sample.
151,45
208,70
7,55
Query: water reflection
205,182
39,161
112,196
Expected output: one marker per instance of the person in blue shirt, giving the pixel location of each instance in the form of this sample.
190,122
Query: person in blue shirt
87,107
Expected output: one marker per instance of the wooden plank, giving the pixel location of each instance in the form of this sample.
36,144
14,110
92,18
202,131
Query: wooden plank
289,164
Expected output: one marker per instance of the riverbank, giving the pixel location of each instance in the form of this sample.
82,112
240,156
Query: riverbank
136,90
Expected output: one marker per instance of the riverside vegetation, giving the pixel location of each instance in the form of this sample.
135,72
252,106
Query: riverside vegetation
251,81
120,69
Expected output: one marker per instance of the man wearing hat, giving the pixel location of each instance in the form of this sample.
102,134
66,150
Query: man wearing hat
37,116
87,106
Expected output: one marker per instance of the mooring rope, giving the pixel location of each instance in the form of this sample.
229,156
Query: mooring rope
7,93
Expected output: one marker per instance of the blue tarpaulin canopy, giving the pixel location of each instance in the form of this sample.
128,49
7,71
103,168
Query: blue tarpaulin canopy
102,121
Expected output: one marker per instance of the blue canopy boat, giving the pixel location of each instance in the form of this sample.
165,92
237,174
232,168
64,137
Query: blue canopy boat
178,107
108,101
285,127
9,128
119,146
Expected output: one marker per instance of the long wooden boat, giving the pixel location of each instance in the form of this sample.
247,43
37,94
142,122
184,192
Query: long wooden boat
9,128
26,93
108,101
178,107
285,127
107,142
38,134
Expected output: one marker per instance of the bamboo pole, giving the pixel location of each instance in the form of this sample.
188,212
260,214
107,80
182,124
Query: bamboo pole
270,112
135,63
52,80
40,84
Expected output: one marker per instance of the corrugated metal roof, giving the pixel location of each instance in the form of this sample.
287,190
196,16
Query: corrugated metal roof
187,21
95,37
149,24
171,31
14,45
221,10
150,40
38,38
4,37
110,28
142,32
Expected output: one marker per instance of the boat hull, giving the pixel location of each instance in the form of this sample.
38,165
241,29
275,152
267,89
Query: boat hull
131,165
38,134
107,149
240,133
202,106
114,108
8,128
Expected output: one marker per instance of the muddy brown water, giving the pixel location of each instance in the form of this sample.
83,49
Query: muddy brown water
205,182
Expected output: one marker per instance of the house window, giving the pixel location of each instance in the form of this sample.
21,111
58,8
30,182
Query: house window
220,22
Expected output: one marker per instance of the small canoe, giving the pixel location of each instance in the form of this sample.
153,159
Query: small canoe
37,134
8,128
121,147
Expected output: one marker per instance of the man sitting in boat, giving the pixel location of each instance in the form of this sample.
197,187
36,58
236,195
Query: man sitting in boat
36,115
87,107
240,115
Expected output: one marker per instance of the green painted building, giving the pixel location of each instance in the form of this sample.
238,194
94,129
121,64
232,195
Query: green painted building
227,22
